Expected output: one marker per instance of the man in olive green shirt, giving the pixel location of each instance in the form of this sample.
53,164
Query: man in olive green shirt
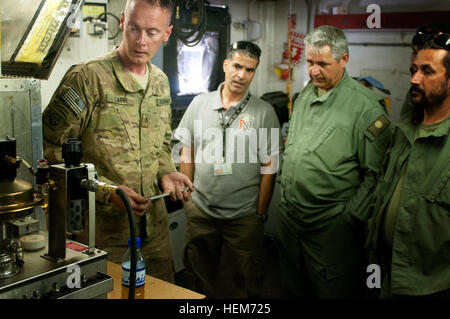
409,233
337,138
417,43
118,105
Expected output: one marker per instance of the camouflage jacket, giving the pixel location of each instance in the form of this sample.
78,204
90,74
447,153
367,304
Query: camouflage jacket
125,132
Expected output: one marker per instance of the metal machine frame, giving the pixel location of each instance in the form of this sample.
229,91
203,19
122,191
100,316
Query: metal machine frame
33,87
40,277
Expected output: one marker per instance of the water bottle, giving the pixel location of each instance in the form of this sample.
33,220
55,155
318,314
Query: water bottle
140,272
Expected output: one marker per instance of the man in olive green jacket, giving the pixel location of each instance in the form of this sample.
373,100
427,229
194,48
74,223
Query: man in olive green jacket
422,34
119,107
338,135
409,233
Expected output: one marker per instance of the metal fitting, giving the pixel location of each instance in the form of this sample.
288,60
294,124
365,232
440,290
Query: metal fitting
97,186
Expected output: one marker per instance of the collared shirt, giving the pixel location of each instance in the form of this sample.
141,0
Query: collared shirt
420,249
254,134
334,149
125,132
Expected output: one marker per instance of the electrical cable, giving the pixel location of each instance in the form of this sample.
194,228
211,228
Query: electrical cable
185,35
100,16
115,17
133,258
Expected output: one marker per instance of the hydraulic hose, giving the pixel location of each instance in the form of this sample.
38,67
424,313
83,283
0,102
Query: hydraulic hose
133,258
95,186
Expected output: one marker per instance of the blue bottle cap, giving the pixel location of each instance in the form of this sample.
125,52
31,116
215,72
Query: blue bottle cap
138,242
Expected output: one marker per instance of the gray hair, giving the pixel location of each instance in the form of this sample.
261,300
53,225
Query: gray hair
328,35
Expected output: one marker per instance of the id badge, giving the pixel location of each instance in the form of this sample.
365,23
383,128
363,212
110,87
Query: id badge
221,169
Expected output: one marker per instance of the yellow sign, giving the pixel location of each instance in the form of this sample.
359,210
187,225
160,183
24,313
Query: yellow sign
92,10
43,33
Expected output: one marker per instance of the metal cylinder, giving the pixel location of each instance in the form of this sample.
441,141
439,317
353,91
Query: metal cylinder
8,171
72,152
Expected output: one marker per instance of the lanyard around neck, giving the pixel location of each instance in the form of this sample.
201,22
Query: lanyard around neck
226,125
236,112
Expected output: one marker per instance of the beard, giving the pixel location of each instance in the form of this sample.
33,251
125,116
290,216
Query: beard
434,99
425,102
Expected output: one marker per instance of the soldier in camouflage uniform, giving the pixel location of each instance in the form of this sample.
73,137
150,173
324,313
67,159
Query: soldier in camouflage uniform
118,105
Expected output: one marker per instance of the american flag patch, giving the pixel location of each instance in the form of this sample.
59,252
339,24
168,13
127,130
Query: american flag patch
74,101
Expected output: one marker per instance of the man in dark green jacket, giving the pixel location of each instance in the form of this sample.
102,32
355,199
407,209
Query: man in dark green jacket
418,41
337,138
409,233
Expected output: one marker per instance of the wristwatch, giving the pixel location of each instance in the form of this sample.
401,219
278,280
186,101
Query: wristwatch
262,217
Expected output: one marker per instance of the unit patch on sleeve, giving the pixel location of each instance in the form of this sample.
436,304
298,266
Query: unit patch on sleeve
74,101
54,118
379,125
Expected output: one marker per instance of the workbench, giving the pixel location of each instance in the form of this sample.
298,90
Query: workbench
154,287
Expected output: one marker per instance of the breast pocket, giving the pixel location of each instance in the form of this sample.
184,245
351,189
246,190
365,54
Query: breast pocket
157,120
333,147
165,120
437,191
432,218
111,130
444,197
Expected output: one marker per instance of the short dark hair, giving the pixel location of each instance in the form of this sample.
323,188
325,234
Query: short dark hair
249,48
426,32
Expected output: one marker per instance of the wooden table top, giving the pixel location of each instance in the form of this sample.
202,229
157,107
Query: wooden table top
154,287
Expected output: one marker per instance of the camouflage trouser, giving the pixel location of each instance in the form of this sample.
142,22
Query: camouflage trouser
243,240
